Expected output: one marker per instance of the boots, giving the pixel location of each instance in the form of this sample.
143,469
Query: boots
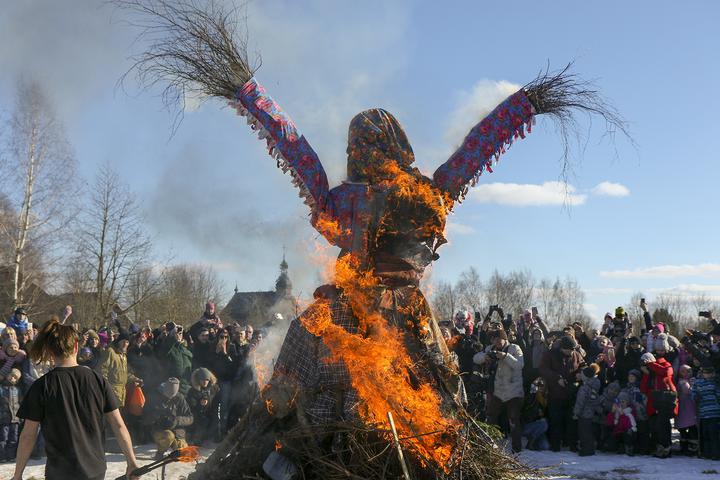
662,452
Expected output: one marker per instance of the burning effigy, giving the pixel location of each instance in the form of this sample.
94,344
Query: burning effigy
364,385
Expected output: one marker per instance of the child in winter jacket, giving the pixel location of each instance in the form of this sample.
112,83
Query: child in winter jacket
9,421
623,425
686,421
10,357
201,398
638,402
586,405
706,393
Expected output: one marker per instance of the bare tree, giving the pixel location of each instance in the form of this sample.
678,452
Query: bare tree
469,289
444,301
40,187
181,295
113,246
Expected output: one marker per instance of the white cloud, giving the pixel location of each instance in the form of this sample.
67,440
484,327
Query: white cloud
473,106
609,291
694,288
610,189
459,228
527,195
667,271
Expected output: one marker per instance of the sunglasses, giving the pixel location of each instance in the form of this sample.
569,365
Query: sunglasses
223,336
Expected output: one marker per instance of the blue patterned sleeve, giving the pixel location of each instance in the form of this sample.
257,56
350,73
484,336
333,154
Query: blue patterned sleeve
285,143
486,140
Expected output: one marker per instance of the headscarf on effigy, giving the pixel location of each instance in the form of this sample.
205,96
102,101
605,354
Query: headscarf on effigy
375,137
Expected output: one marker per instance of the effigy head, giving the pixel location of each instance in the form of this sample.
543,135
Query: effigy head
375,140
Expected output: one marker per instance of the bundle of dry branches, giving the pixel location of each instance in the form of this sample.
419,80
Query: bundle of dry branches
192,48
561,95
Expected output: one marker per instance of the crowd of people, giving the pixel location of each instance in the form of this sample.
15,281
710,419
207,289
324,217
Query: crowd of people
173,385
610,389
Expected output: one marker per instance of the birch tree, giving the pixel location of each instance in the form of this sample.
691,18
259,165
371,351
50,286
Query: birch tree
39,182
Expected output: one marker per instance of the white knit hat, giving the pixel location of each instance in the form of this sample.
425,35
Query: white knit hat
647,357
661,343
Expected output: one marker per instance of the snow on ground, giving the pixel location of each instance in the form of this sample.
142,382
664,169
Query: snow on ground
604,466
562,465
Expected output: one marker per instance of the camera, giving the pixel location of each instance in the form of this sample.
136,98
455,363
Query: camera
704,314
492,355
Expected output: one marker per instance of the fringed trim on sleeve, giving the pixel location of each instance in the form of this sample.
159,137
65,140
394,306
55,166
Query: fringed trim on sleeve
494,159
275,152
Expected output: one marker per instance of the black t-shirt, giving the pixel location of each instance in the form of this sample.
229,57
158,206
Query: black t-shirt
69,403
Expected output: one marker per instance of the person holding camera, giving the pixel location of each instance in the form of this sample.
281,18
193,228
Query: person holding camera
560,368
167,415
174,356
505,388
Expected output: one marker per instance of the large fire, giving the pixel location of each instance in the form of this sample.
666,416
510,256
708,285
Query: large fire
380,366
189,454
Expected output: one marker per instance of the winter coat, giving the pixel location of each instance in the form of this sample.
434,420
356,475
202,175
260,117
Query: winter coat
534,408
196,394
17,324
508,376
706,393
465,348
555,366
659,379
176,361
607,399
686,410
626,359
588,399
202,355
225,365
113,367
141,361
621,421
7,362
638,400
164,413
9,404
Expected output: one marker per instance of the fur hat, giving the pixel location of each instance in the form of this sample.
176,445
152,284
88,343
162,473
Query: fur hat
201,374
170,387
567,342
647,357
661,343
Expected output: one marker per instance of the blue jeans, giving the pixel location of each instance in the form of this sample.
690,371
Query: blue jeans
225,400
9,433
536,435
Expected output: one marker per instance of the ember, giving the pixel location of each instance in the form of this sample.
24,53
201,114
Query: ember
188,454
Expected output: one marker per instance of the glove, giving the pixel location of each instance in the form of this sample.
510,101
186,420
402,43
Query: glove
167,422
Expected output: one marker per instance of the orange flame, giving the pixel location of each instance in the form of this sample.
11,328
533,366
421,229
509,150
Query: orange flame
381,368
189,454
278,445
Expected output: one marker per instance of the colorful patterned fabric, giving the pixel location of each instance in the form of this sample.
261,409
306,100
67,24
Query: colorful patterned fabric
348,204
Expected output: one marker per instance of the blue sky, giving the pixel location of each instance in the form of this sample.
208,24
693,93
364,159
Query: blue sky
213,196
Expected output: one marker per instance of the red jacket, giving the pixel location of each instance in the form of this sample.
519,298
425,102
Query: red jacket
660,378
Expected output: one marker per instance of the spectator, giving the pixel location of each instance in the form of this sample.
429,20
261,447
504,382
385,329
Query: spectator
114,368
225,364
141,360
638,401
535,350
535,425
586,404
10,357
167,415
19,320
10,397
706,393
91,356
203,405
622,424
627,358
202,349
657,383
505,395
686,421
559,368
209,320
8,333
464,345
175,357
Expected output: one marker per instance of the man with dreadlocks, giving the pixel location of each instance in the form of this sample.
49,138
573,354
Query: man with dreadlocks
368,346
